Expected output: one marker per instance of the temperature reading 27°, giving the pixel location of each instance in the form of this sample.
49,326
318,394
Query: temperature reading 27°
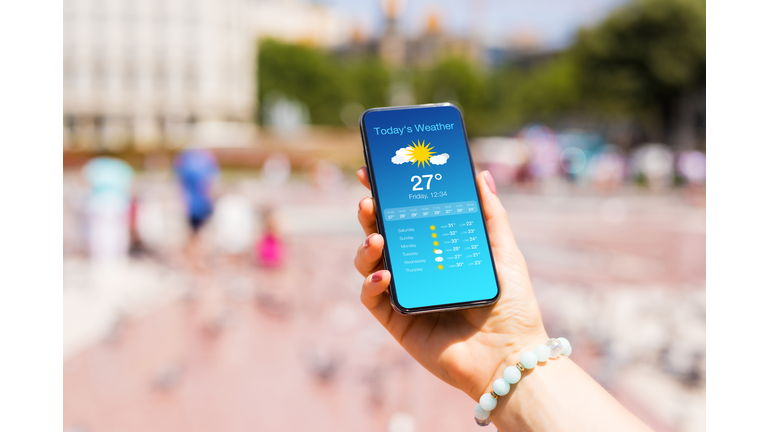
424,178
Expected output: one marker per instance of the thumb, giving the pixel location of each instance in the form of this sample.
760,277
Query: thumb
499,231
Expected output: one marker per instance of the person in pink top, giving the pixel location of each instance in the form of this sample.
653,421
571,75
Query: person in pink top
269,249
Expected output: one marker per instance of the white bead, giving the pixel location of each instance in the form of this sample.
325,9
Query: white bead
542,352
529,360
556,346
487,402
501,387
566,346
480,413
512,375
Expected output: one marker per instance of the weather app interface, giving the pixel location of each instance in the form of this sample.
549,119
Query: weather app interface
433,225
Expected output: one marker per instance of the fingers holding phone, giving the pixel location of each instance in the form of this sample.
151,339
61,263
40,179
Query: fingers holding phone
366,215
362,175
371,296
368,258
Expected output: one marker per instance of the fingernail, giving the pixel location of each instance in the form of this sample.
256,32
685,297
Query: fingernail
490,182
378,276
368,240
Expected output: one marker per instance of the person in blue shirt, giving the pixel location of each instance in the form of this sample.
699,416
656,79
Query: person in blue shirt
197,170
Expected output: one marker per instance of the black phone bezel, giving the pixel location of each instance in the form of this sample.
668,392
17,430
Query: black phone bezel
372,179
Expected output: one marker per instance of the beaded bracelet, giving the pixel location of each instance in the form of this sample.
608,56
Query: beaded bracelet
528,360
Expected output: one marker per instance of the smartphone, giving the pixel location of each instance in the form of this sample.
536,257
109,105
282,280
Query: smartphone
428,209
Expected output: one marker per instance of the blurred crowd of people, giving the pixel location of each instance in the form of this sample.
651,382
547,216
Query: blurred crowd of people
114,214
121,213
538,155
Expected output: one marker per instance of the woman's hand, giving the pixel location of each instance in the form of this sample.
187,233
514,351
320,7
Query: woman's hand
468,349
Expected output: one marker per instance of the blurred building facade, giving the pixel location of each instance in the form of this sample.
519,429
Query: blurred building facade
143,72
149,73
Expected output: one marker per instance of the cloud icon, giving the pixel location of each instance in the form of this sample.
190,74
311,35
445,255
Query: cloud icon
440,159
401,156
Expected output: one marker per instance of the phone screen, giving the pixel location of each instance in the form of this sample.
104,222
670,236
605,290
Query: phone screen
430,216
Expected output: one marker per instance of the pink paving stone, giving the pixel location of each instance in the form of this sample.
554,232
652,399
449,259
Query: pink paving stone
251,377
256,374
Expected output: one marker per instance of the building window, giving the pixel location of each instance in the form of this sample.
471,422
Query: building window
190,77
160,16
69,73
99,37
130,77
99,10
161,76
99,73
130,16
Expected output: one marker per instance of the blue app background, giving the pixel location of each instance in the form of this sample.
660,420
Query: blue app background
458,269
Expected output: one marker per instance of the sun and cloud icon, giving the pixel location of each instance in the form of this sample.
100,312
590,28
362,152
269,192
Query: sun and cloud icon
419,153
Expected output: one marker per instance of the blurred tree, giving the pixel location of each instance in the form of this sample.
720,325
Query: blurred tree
644,57
456,79
542,94
368,81
319,80
301,73
639,63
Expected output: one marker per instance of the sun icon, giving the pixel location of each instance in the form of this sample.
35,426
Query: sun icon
419,153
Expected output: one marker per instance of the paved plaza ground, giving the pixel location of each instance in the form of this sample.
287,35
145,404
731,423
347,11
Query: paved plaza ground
151,347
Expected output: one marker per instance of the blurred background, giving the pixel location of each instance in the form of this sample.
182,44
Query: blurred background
210,201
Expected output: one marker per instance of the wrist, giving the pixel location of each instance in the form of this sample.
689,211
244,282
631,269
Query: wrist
510,355
551,393
530,404
511,376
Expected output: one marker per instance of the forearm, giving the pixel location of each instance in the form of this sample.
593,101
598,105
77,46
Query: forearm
560,396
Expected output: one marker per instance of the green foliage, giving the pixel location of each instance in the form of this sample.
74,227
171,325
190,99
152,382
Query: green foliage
499,100
317,79
541,94
301,73
637,63
644,56
456,79
367,82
